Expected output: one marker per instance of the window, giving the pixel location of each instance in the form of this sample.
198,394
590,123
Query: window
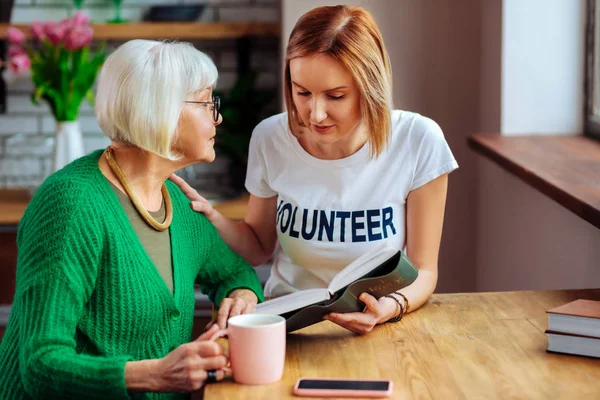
592,65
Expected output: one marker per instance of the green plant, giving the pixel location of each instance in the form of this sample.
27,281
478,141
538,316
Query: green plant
242,109
78,4
62,65
64,78
117,9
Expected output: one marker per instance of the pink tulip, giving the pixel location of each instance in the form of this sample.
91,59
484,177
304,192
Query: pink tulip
79,37
15,36
19,63
49,27
37,30
14,50
81,19
55,32
66,23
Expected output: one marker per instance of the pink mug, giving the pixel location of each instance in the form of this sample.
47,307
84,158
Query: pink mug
256,347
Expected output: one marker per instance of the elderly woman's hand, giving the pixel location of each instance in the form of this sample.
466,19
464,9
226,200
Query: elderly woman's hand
240,301
185,368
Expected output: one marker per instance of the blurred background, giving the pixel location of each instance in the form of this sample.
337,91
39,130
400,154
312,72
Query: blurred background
508,67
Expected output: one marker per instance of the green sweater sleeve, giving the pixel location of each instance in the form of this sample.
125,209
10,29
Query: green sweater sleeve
225,271
59,252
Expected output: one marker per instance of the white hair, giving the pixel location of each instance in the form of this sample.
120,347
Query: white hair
141,90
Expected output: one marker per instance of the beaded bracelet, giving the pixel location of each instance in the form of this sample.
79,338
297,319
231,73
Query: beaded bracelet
400,305
406,303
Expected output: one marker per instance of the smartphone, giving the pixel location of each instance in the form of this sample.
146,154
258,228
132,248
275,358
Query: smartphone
341,387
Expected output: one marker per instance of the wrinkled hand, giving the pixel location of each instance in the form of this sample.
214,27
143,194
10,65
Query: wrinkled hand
198,203
375,312
240,301
185,368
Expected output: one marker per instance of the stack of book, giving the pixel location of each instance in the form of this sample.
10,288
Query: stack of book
574,328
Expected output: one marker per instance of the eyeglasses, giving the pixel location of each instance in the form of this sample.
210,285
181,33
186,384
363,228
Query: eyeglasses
216,104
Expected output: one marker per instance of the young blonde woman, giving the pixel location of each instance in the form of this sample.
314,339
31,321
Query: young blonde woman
109,249
341,172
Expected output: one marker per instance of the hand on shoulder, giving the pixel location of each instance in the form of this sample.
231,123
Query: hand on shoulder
198,203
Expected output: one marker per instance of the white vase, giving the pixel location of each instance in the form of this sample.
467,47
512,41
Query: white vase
68,144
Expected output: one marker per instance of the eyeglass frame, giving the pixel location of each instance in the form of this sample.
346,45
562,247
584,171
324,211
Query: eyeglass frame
216,103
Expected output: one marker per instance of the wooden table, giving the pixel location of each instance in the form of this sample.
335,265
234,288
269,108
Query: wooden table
458,346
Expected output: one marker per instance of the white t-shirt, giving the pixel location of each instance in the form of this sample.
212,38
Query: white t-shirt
329,212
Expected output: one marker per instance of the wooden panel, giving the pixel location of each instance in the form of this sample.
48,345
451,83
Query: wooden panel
234,208
8,262
199,325
565,168
14,202
172,30
12,205
457,346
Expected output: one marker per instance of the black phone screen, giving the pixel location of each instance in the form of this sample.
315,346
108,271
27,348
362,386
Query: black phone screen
343,385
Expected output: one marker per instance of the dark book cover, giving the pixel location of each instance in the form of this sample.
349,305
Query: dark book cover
394,274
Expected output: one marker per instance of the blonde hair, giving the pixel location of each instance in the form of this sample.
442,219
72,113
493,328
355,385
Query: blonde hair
141,90
349,35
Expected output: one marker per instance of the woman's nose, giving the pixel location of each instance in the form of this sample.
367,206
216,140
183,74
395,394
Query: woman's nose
218,122
318,112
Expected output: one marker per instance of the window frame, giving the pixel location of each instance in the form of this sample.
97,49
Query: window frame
592,59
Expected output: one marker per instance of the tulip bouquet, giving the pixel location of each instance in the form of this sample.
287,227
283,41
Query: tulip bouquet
63,70
62,66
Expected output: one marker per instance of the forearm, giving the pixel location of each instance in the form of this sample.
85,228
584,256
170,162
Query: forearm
417,294
240,237
421,289
140,376
66,375
241,280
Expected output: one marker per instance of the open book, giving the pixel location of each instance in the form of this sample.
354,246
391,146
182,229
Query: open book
378,272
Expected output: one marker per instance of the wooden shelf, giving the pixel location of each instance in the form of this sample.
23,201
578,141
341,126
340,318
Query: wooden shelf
566,168
174,30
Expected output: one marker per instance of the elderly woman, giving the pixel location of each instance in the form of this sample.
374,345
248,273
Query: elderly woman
109,249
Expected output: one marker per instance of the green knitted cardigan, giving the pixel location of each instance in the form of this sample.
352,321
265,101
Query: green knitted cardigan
88,298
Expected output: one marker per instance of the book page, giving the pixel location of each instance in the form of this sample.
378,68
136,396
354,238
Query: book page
293,301
360,267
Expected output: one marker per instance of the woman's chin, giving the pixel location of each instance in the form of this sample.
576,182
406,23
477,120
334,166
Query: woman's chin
326,139
209,157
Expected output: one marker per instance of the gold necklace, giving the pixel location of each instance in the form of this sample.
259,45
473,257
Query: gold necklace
134,199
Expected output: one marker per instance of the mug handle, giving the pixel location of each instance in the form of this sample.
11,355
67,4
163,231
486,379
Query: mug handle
218,334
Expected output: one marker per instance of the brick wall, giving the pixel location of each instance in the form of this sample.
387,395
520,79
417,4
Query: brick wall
26,130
